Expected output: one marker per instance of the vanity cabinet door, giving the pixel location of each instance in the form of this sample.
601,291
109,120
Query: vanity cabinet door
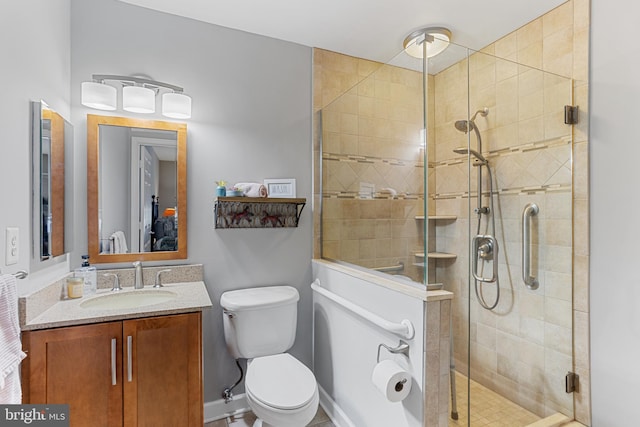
163,371
80,366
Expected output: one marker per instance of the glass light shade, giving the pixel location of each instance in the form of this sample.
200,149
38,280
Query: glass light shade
176,105
138,99
413,42
98,95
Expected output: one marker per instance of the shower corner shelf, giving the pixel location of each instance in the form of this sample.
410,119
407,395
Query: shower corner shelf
257,212
438,217
437,255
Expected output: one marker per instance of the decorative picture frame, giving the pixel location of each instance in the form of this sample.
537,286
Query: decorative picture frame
281,187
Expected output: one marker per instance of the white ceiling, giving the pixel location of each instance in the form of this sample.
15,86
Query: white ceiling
372,29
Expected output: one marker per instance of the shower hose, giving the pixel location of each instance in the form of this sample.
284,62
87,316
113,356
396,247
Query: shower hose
478,284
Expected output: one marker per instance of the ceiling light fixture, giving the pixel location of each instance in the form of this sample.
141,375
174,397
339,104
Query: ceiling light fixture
438,39
138,95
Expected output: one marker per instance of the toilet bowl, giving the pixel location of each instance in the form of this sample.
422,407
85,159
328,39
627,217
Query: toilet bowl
281,391
260,326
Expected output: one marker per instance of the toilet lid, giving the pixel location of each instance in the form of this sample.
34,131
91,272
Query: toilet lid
280,381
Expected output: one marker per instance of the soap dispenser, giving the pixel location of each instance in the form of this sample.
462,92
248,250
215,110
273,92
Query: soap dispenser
89,274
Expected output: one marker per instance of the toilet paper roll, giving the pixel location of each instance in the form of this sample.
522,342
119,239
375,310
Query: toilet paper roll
393,382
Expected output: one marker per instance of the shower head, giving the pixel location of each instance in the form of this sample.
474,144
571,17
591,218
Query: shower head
465,125
469,151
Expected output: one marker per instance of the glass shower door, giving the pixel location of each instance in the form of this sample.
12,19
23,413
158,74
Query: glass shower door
520,234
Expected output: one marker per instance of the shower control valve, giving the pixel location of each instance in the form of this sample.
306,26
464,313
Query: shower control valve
485,250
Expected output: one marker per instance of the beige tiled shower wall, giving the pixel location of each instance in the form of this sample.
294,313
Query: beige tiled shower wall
371,139
524,347
529,149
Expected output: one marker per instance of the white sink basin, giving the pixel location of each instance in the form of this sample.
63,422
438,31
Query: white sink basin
132,299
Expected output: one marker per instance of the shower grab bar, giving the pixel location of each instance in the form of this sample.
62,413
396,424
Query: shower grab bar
390,268
404,329
530,281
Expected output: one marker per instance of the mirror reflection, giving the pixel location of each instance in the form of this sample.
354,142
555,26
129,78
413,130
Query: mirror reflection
138,170
52,145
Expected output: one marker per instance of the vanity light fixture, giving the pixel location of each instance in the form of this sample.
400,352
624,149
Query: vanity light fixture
99,96
138,99
438,39
138,95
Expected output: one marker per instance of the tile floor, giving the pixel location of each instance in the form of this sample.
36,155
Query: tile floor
246,420
488,409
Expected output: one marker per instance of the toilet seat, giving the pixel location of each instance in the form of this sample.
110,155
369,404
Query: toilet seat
280,381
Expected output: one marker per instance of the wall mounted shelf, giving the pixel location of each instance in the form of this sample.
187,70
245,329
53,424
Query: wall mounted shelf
438,217
257,212
437,255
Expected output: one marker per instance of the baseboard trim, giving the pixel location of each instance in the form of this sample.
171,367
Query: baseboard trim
337,415
218,410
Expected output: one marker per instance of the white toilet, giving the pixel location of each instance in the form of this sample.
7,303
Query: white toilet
260,325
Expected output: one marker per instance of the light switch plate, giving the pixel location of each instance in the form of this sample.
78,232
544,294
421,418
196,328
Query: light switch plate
12,248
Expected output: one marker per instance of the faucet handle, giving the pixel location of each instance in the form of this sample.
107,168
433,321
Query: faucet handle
116,281
158,283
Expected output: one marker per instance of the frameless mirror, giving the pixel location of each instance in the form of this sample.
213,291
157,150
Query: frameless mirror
52,183
136,189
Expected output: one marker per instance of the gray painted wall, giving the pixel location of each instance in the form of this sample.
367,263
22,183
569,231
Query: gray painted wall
251,120
614,207
35,52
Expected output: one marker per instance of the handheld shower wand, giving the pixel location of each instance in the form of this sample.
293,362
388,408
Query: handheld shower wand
485,246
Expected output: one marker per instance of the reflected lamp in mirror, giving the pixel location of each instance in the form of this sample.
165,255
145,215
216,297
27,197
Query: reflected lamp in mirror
138,95
136,189
52,184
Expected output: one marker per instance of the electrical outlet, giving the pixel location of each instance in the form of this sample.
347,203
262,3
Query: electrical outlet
12,249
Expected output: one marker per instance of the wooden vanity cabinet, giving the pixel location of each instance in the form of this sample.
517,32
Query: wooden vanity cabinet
140,372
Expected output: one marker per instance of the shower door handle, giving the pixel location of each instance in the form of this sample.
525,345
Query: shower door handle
530,281
485,247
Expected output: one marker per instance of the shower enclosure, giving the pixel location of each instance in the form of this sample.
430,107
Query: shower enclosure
459,177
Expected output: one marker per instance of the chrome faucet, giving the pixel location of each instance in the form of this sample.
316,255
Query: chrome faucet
116,281
139,280
158,283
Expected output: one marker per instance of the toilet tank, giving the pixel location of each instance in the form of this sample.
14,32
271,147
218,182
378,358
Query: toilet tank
259,321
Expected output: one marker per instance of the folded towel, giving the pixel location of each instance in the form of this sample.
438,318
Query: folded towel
10,345
119,243
252,189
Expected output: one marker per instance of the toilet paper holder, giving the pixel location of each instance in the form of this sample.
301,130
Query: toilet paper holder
402,347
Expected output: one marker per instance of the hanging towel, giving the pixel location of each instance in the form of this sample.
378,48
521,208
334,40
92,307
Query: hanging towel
252,189
119,245
10,345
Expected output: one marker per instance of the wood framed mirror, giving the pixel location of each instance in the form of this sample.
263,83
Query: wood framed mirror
52,185
136,189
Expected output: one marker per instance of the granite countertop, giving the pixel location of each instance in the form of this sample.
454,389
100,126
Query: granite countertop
191,296
44,309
